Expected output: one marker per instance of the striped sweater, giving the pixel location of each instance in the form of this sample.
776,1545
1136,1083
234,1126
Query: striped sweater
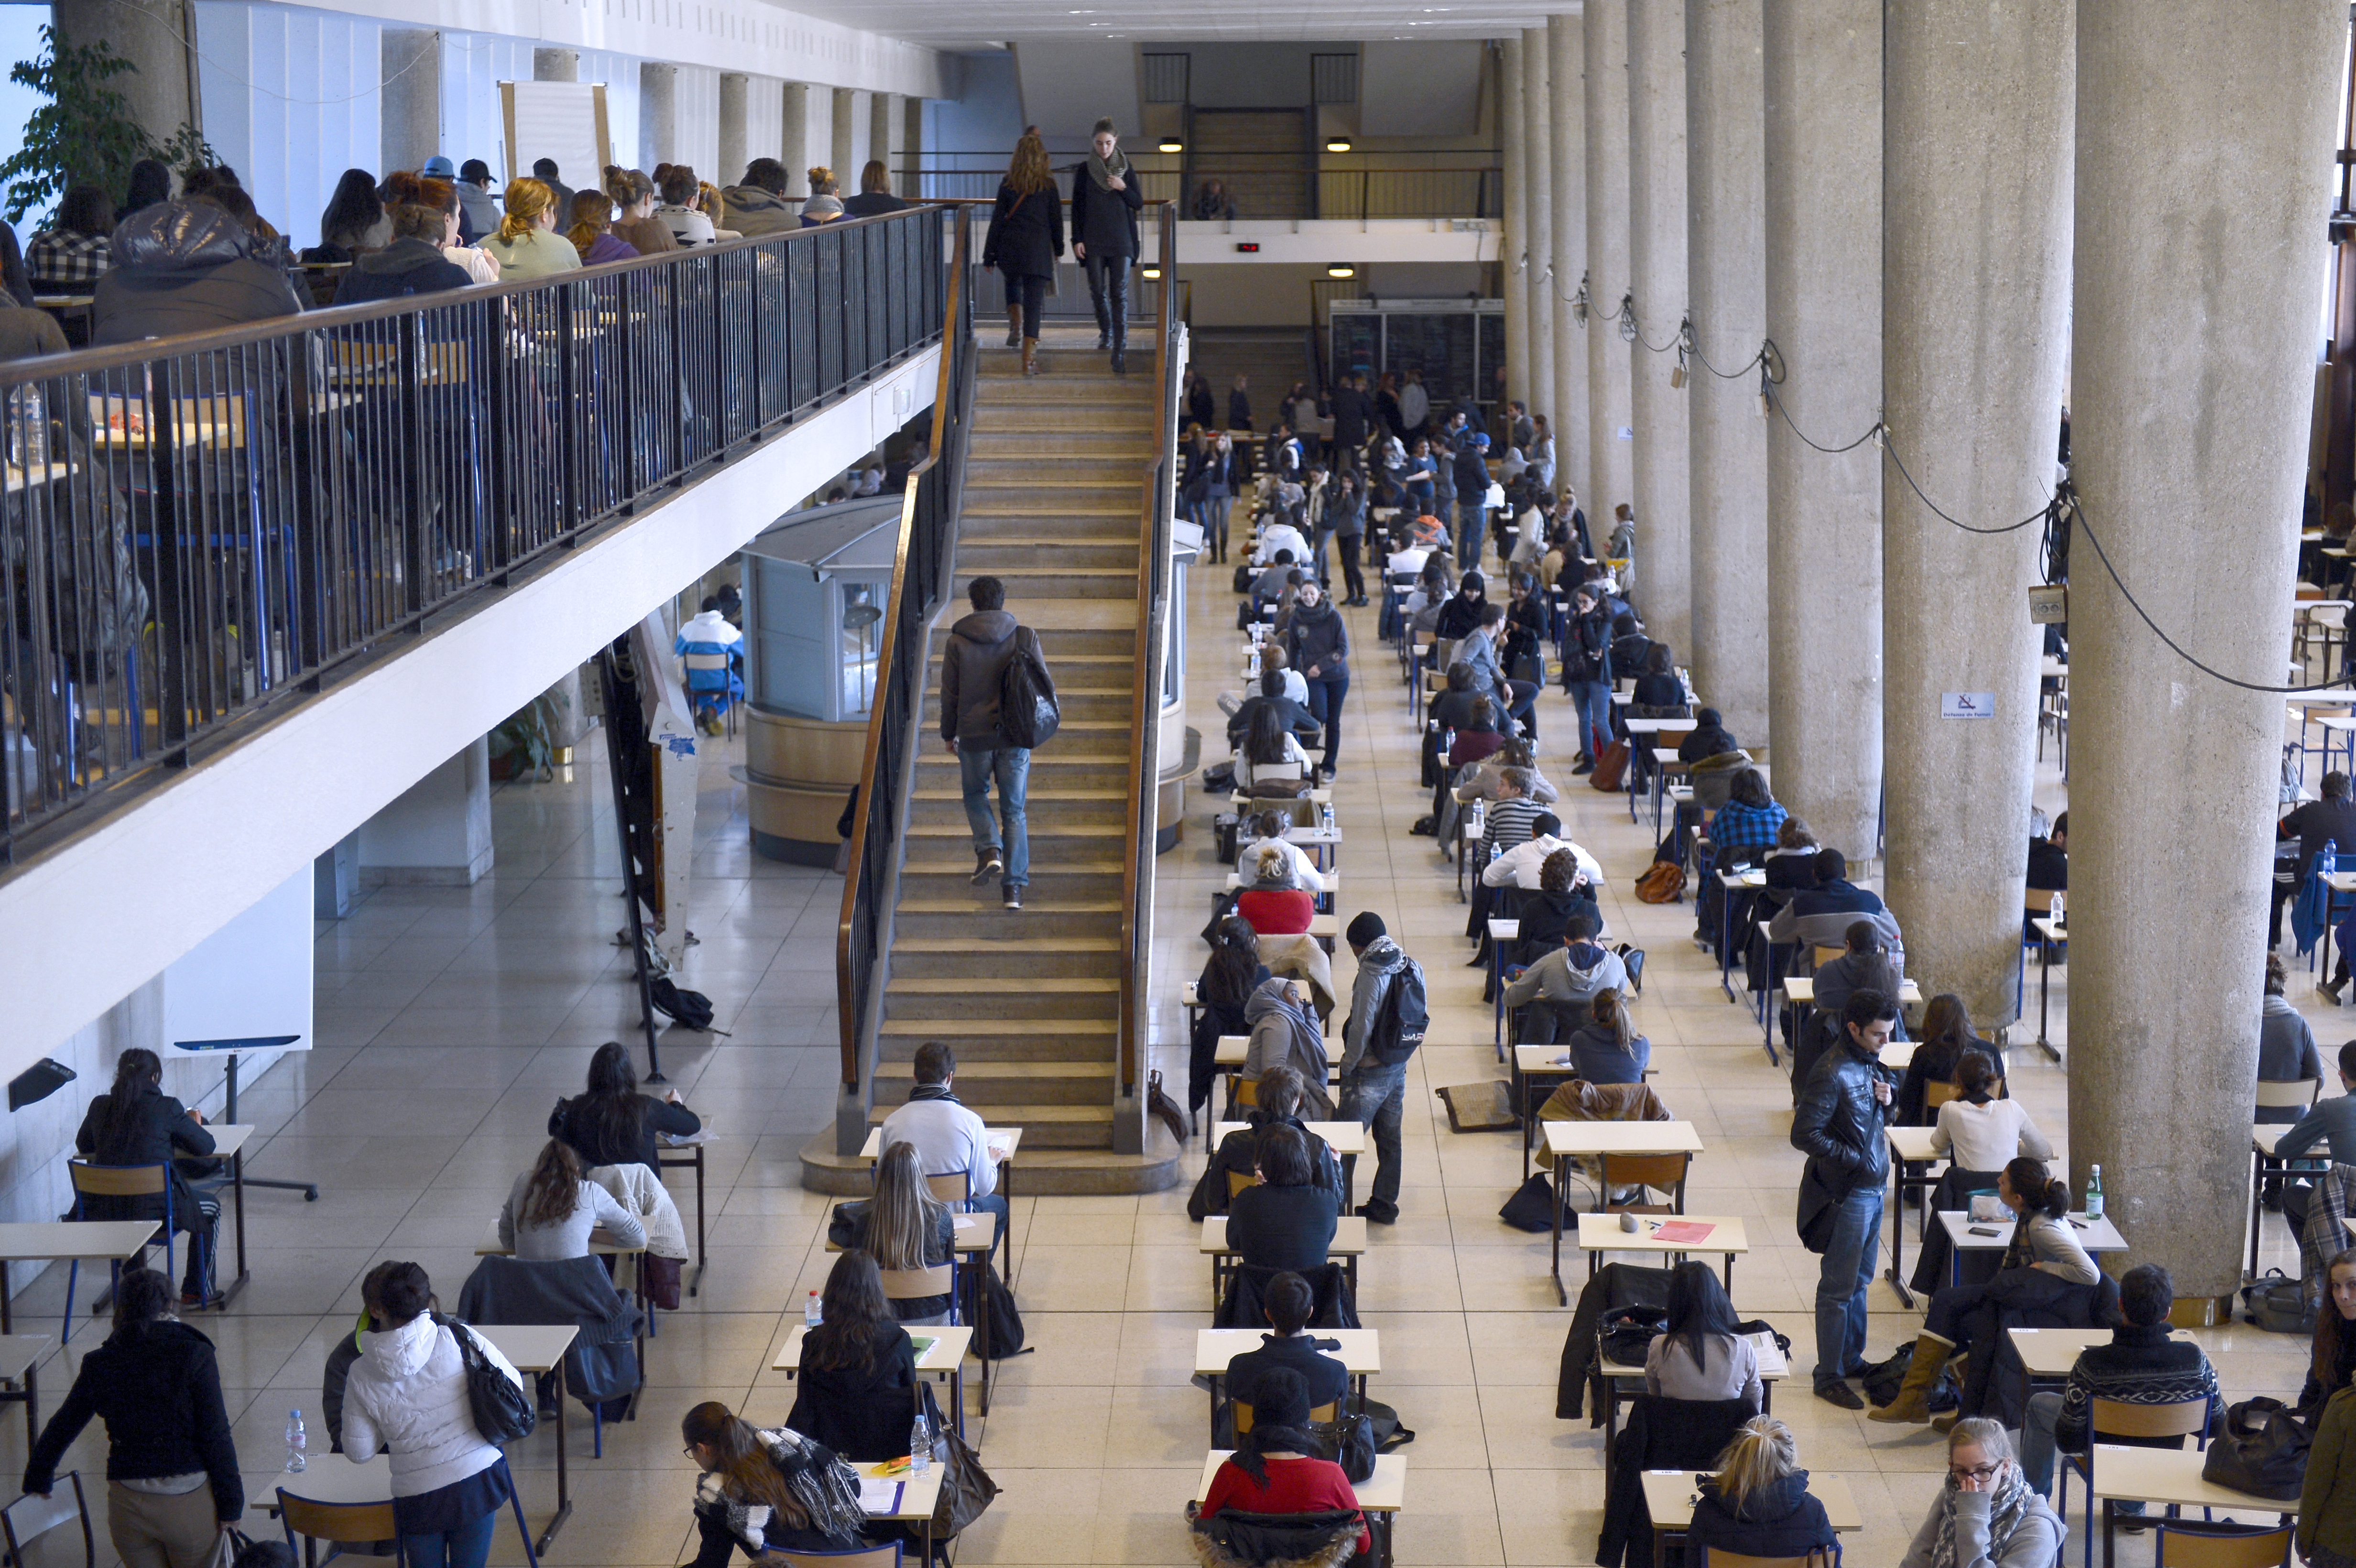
2140,1366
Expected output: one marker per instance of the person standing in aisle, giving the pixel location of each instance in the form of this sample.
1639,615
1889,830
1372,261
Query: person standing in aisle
1378,1041
1471,477
1025,237
978,649
1346,514
1838,1125
1317,644
1105,200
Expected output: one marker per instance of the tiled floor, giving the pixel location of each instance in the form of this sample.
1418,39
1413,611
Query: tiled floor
450,1020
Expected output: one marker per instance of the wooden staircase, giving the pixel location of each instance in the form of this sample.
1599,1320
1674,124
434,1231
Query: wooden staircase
1030,1000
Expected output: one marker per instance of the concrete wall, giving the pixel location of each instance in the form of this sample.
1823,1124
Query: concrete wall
1065,86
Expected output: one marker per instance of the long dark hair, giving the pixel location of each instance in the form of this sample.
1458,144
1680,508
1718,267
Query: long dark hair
143,1297
553,1190
747,1473
1699,1310
1233,967
1946,1021
615,1111
136,1072
2329,1328
1277,1385
1264,746
2038,1189
352,210
151,181
1610,1010
855,1307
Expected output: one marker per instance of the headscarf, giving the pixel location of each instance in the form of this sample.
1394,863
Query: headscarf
1304,1045
1104,170
2007,1509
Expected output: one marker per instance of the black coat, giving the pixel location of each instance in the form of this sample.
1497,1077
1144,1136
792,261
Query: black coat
164,1129
1587,647
183,267
1026,232
1779,1519
1327,1378
1239,1152
160,1396
1470,472
1350,411
1319,637
854,1411
574,1121
1105,220
1662,1434
1838,1125
2049,865
405,267
1200,409
1282,1227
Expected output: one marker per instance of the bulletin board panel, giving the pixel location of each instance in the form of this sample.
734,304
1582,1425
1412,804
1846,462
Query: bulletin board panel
561,120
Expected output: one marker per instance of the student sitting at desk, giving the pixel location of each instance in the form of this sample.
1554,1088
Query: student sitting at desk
1272,1471
852,1365
1709,738
2049,857
2141,1365
1281,688
1946,1036
1563,892
1702,1355
903,1226
2041,1239
1986,1513
1485,781
1822,915
2331,819
766,1490
1270,753
948,1137
2287,1052
1287,1221
1572,974
136,1122
1289,1304
552,1209
1978,1131
1523,866
1273,898
1758,1504
1265,830
1607,1049
613,1124
1230,976
2331,1121
1284,1031
1279,1095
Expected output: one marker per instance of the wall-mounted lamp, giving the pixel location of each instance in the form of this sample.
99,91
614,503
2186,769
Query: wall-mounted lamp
1338,144
1149,272
1341,269
1171,144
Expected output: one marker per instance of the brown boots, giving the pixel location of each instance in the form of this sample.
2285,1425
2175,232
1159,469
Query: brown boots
1014,326
1913,1401
1030,356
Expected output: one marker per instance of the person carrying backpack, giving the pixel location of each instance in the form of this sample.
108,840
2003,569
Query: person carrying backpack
975,668
1389,1014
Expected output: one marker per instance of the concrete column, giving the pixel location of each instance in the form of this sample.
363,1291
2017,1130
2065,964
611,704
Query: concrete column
1725,294
1512,127
410,112
911,148
156,36
1610,475
555,65
1656,260
883,121
1823,74
734,154
793,150
1975,299
1537,212
2192,372
658,113
1566,159
438,830
845,145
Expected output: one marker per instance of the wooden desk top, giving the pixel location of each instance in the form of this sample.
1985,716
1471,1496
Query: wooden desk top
948,1349
1753,878
533,1347
333,1478
1361,1348
1911,1143
1349,1235
1898,1055
1601,1233
2093,1235
2051,1353
1233,1048
2049,928
53,1239
2264,1136
2171,1475
918,1494
1803,989
1620,1137
1341,1137
1384,1492
1669,1498
1544,1060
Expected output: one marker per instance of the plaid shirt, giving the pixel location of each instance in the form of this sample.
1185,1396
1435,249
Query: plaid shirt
1738,828
66,259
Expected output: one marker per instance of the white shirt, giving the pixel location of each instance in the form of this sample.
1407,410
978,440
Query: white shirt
687,226
1521,864
569,1237
1276,536
1304,870
480,265
1989,1136
947,1137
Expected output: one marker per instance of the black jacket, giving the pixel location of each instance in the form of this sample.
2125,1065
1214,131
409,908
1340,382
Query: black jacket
1282,1227
1662,1434
972,659
1459,614
575,1122
1318,637
873,204
2049,865
164,1129
332,1383
1105,220
853,1411
1470,472
406,266
1026,232
1779,1519
1838,1125
1200,409
1587,649
848,1229
182,267
1296,717
2311,824
1327,1378
1712,742
1239,1152
160,1396
1351,410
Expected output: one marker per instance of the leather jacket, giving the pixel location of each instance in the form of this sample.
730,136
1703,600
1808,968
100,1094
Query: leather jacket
1838,1123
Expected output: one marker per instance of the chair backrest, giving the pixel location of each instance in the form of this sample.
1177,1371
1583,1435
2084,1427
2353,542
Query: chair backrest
119,1181
951,1186
1666,1172
899,1284
1935,1094
2300,1091
2197,1543
706,661
2115,1418
1827,954
1822,1557
30,1518
1247,1091
886,1556
1237,1180
335,1521
2037,901
1242,1413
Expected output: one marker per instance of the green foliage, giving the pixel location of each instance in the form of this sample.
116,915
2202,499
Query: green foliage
84,134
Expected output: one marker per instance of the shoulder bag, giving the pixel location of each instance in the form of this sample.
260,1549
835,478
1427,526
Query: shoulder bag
503,1412
966,1487
2261,1451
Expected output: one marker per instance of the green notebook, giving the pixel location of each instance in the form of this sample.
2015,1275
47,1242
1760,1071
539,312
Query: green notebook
924,1343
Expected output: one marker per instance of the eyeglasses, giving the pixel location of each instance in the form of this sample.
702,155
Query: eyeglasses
1977,1473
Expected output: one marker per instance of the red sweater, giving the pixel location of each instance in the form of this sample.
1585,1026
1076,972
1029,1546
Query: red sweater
1277,912
1294,1485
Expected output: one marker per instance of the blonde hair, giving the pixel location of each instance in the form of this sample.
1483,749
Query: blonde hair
525,200
821,180
1272,868
904,1215
1028,172
1764,1452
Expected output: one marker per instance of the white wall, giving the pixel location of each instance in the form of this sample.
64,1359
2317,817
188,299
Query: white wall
473,65
698,103
291,99
1066,86
765,124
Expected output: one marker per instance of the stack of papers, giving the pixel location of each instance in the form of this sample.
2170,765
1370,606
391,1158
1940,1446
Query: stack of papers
878,1500
1685,1231
1773,1363
924,1344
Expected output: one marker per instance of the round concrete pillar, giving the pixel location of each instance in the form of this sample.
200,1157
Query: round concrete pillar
1656,260
734,88
1510,126
1610,470
1975,328
1538,208
162,92
1822,75
1725,294
2200,261
1566,160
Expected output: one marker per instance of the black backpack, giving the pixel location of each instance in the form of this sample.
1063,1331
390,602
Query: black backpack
1399,1023
1005,1336
1027,714
690,1010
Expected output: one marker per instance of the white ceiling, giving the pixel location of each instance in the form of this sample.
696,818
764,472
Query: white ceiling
981,24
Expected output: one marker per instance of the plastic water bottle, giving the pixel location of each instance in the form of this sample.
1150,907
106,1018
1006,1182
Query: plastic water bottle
920,1444
2095,1193
298,1443
1325,817
812,1313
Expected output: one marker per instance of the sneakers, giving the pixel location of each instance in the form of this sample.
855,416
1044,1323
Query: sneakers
986,866
1585,767
1373,1216
1104,337
1840,1394
1013,896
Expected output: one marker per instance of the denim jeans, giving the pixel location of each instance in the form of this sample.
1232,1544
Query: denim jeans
1011,766
1469,520
1326,695
1590,707
2036,1442
468,1547
993,1203
1374,1097
1841,1285
1215,521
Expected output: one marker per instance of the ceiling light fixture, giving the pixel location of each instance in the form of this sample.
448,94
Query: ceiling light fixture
1341,269
1338,144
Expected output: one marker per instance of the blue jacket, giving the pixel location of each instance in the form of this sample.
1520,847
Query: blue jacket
2332,1121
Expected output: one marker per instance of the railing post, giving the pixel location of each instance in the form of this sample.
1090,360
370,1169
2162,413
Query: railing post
416,524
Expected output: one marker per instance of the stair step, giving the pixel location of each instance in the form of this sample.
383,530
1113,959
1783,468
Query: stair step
932,958
1044,1127
1042,999
928,837
1042,914
982,1082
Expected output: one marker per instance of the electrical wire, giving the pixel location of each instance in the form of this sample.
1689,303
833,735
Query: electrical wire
1767,389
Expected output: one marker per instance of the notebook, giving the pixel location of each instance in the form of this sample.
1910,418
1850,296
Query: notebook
1683,1230
878,1500
924,1344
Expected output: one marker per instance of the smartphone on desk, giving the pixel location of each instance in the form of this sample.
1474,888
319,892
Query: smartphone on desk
1984,1231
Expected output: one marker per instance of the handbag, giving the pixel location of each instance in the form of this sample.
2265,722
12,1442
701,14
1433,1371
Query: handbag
658,1278
1349,1442
1625,1335
1531,1208
503,1412
1157,1102
1663,882
2262,1451
966,1487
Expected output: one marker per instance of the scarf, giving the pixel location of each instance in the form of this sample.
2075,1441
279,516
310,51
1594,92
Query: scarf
931,1092
1103,170
825,1485
2006,1511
